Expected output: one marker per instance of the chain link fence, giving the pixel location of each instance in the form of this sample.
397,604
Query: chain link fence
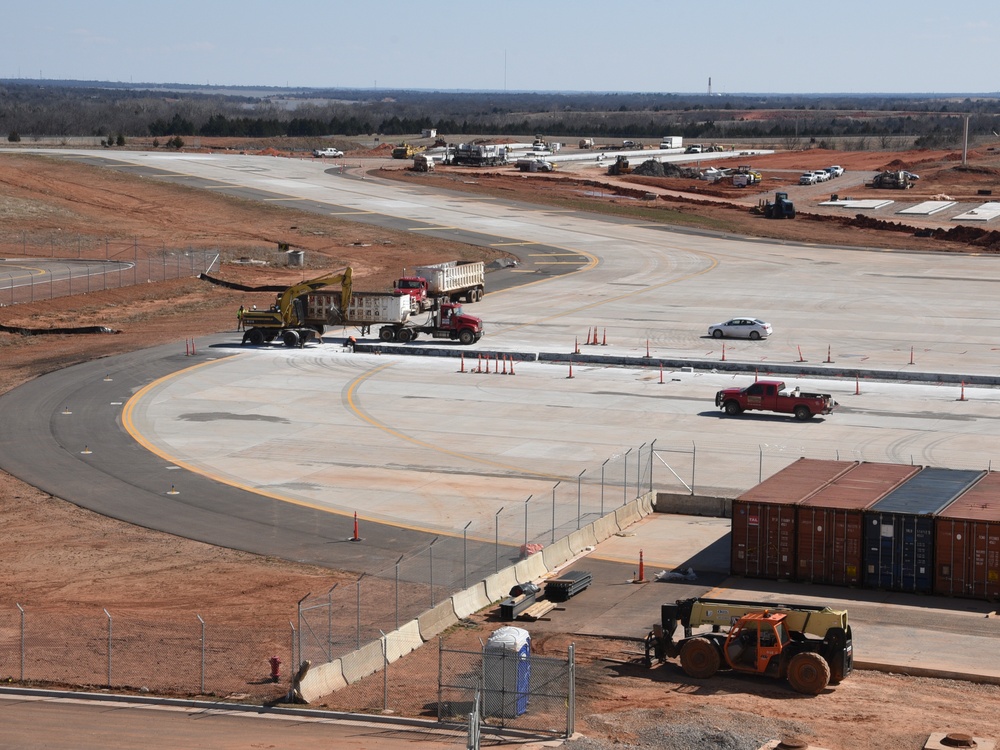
139,652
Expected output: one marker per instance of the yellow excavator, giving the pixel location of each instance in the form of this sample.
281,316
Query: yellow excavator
287,316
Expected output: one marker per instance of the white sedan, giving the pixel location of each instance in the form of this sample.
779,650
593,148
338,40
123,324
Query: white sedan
741,328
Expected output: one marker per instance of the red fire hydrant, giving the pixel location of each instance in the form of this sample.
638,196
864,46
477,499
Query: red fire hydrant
275,663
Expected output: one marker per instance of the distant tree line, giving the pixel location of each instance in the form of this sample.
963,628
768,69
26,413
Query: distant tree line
113,111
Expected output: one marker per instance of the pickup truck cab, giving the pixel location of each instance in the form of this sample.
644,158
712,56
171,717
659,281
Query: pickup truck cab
807,178
333,153
771,395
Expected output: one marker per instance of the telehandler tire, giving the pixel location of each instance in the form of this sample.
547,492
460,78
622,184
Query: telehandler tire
808,673
700,658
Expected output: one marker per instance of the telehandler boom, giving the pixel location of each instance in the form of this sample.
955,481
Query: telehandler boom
759,638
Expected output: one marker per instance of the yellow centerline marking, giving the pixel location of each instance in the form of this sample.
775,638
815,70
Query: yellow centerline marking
129,425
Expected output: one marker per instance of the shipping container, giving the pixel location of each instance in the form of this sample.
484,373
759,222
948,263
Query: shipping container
830,524
967,543
899,529
763,527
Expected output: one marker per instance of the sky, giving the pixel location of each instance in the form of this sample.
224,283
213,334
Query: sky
662,46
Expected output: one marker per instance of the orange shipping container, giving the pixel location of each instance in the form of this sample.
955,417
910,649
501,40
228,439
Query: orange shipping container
967,545
763,527
830,524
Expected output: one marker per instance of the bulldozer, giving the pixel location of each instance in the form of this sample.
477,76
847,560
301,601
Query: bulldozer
286,317
620,166
810,646
780,208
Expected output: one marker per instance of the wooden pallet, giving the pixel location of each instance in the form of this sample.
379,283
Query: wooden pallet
537,611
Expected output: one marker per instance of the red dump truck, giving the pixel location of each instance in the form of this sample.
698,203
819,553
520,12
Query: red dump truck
772,395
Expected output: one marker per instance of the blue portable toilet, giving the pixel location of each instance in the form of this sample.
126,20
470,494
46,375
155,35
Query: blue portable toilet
506,672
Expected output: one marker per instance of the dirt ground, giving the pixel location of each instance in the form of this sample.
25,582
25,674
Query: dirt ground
48,542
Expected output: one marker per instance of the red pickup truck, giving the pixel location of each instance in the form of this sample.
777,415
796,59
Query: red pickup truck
771,395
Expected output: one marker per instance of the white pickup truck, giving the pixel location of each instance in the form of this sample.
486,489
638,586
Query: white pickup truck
330,152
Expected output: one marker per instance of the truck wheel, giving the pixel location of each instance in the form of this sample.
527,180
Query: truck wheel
386,334
466,337
290,339
802,413
732,408
255,337
700,658
717,333
403,336
808,673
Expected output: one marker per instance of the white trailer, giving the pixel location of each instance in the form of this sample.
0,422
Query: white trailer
672,141
365,309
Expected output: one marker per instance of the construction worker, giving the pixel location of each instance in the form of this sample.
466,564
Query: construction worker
351,343
239,318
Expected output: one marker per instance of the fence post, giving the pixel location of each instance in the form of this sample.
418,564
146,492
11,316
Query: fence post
625,478
295,661
496,540
579,479
385,671
397,589
202,653
22,641
652,453
298,610
357,631
602,484
552,531
465,561
430,555
109,646
571,702
638,471
694,458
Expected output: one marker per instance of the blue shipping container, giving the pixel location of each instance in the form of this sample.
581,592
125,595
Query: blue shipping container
899,529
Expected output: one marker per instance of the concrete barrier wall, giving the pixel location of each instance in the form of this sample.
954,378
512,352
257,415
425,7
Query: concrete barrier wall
627,515
694,505
400,642
582,539
556,554
498,585
605,527
470,600
646,503
365,661
321,680
437,620
530,569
